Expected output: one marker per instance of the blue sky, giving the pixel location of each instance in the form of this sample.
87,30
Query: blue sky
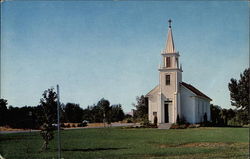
112,49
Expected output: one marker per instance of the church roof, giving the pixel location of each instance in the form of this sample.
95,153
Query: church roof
153,90
195,90
170,41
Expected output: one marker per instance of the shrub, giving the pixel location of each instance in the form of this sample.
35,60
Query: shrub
155,120
68,125
129,120
177,126
82,124
145,122
178,120
194,126
62,125
183,126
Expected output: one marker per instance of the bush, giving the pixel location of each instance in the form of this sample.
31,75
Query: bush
177,126
234,122
62,125
145,122
68,125
181,121
129,120
82,124
194,126
155,120
183,126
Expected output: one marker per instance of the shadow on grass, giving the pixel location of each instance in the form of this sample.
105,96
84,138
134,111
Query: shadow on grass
93,149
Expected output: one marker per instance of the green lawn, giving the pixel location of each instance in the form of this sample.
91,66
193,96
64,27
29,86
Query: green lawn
132,143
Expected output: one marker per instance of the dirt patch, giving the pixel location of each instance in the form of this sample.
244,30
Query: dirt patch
10,129
205,144
197,144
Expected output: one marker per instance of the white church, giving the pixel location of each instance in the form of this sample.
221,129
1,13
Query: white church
173,97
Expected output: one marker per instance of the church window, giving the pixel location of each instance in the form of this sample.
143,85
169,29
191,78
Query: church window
167,79
168,60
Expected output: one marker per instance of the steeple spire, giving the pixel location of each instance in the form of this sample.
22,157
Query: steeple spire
170,42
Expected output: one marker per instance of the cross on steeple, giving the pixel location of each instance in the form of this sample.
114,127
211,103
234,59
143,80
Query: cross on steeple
169,23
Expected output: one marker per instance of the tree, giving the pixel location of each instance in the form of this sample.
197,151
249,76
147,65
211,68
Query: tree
239,94
73,113
105,108
48,106
3,111
141,107
117,113
22,117
216,115
96,113
87,114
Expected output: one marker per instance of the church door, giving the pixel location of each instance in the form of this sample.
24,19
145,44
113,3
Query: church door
166,113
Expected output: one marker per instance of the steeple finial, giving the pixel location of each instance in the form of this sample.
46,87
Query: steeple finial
169,23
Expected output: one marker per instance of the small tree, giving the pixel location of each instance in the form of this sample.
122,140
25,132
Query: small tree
48,107
178,121
141,106
105,107
155,120
205,118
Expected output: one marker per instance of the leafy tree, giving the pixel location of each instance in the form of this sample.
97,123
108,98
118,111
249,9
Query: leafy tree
105,108
73,113
239,93
48,106
117,113
215,115
87,115
22,117
96,113
141,107
224,116
3,111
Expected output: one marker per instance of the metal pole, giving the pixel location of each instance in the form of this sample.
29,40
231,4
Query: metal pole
58,122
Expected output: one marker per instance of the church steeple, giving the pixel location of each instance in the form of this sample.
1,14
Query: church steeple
170,79
170,55
170,41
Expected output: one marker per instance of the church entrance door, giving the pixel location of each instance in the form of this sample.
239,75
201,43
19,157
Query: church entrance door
166,113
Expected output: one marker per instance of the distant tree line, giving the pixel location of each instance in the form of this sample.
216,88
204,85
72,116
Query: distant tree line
33,117
225,117
94,113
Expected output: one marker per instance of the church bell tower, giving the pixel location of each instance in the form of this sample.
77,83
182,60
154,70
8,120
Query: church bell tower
170,74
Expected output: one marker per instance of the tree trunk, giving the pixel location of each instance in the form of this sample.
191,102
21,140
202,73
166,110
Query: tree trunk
45,146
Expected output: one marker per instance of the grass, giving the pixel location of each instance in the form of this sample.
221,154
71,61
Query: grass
132,143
